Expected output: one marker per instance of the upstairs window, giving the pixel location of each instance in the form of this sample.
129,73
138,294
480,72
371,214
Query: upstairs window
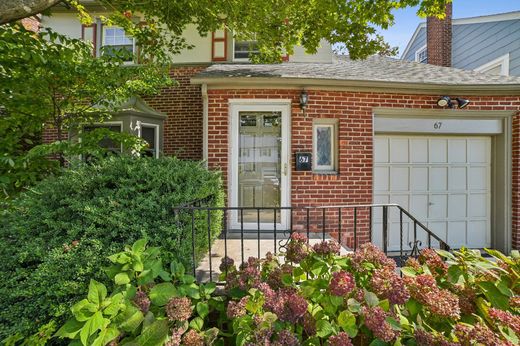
421,55
243,50
498,66
115,39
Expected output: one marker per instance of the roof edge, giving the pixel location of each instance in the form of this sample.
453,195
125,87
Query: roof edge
414,36
358,85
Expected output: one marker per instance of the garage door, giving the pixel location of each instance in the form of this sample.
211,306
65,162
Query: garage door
443,181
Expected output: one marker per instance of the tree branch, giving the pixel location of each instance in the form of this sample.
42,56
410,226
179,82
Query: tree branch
13,10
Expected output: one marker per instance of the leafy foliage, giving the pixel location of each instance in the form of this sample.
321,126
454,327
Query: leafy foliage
55,237
51,79
158,25
321,299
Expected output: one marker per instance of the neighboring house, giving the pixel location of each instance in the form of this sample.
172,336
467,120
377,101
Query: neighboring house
487,43
374,129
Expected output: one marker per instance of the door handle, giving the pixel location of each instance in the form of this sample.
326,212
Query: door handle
285,169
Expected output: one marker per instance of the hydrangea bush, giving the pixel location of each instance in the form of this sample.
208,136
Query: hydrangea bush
309,296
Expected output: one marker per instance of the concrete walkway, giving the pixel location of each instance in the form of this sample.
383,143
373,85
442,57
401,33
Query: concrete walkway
251,248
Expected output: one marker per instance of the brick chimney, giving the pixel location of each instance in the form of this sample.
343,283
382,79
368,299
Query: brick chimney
438,39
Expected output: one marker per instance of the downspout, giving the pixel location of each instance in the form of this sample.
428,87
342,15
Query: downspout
204,90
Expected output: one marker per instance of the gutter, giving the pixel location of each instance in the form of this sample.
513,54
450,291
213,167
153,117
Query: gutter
204,91
355,85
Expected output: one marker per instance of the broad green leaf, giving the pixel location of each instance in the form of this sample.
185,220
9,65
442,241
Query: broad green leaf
70,329
122,279
129,319
336,301
83,310
97,292
287,279
323,328
413,306
105,336
209,288
154,335
202,309
354,305
455,274
371,298
408,271
95,323
197,323
494,295
347,322
139,246
115,305
161,293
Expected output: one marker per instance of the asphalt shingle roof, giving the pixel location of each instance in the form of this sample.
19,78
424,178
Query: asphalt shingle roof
372,69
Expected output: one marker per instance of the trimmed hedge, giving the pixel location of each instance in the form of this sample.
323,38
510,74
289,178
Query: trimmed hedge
55,237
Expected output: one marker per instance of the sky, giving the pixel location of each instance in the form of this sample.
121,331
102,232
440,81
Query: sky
406,20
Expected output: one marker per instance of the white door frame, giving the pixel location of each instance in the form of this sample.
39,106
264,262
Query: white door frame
269,105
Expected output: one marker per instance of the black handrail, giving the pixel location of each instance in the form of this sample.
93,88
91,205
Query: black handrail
311,220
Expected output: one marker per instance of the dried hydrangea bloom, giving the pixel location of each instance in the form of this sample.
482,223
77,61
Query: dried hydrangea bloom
440,302
179,309
237,309
227,264
341,339
274,278
309,324
413,263
425,338
369,253
477,334
375,320
515,302
175,337
286,338
467,297
286,303
261,337
297,248
388,285
506,318
432,259
327,248
142,301
342,283
248,276
192,338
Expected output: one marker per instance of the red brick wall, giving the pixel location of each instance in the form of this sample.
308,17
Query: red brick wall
183,105
353,183
439,39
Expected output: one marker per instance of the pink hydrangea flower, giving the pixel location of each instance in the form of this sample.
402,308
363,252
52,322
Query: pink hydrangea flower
440,302
237,309
375,320
433,261
506,318
286,338
342,283
297,248
179,309
369,253
341,339
388,285
327,248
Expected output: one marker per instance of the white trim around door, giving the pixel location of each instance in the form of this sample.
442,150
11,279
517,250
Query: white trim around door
283,106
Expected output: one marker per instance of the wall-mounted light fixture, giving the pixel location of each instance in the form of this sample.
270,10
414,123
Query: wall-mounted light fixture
446,101
304,100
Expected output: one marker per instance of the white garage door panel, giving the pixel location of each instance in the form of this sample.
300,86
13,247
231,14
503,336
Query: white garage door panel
443,181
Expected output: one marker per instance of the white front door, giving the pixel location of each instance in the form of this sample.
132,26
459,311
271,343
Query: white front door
444,181
259,164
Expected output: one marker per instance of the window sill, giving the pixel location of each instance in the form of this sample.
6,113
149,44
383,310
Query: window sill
325,172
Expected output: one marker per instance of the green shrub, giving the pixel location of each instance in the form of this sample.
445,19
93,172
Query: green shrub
313,296
56,237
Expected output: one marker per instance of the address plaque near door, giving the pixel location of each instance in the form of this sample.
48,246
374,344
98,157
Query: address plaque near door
304,161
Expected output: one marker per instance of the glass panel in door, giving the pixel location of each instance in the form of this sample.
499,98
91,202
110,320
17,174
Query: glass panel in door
259,165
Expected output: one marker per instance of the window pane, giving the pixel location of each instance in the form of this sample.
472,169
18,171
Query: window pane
148,134
106,142
244,49
324,146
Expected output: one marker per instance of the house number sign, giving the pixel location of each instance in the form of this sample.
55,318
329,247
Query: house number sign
303,161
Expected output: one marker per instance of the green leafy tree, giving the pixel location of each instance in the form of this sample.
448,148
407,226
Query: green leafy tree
51,79
277,25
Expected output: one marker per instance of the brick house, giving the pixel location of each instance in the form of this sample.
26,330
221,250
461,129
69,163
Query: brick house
372,131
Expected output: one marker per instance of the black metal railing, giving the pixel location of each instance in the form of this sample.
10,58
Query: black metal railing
254,231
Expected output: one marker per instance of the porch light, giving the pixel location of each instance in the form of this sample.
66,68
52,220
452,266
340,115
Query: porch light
462,102
304,100
444,101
